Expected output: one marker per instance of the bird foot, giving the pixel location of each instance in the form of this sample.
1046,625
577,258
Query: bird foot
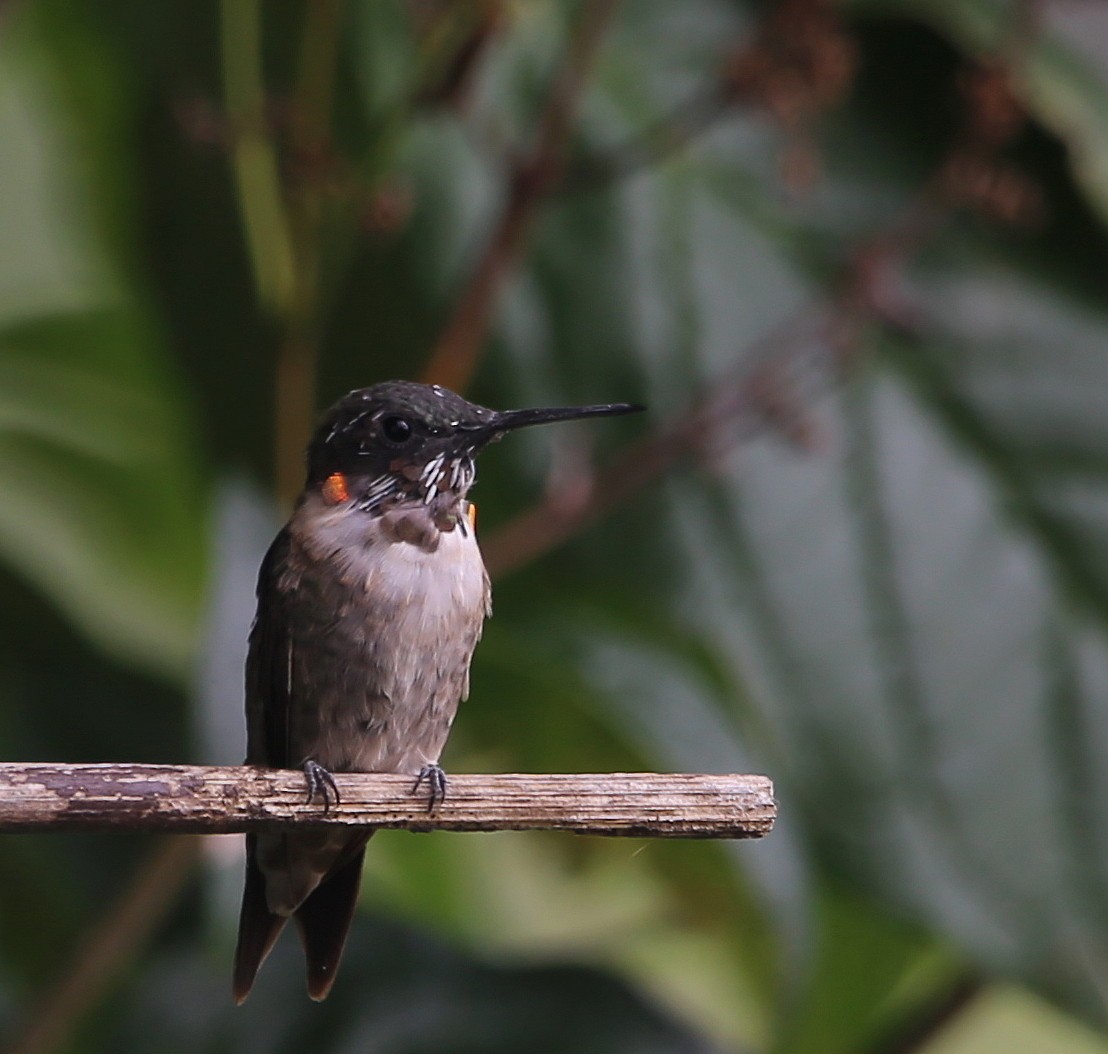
321,784
435,779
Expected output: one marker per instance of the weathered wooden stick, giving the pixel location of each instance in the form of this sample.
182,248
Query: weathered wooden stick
193,798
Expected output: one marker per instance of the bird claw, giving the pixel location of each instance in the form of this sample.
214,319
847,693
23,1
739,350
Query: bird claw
321,784
435,779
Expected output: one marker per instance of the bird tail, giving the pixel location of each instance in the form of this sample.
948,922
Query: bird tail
323,921
259,927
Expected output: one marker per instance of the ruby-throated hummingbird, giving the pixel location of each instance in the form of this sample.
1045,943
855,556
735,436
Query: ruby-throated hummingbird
371,600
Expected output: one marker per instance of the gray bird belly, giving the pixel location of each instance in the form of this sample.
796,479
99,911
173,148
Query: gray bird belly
383,678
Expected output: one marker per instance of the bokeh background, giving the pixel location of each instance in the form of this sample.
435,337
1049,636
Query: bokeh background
854,258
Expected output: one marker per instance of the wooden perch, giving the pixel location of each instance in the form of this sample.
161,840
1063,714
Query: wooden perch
208,800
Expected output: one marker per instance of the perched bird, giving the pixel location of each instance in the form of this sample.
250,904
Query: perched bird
371,600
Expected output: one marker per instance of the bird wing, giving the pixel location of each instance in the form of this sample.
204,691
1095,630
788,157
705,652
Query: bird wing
324,917
267,707
269,666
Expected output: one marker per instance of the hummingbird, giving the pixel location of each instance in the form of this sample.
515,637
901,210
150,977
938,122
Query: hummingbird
371,600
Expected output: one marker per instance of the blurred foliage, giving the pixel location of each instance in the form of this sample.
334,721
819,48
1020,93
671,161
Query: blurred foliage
852,257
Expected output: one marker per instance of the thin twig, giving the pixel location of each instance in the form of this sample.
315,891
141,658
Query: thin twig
915,1032
448,84
311,158
756,394
455,355
109,946
666,136
220,800
269,241
563,511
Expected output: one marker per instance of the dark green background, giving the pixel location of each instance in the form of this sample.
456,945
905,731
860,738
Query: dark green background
885,583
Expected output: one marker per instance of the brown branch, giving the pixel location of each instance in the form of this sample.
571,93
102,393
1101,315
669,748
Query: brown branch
666,136
108,947
916,1030
211,800
310,163
450,85
736,400
455,355
755,395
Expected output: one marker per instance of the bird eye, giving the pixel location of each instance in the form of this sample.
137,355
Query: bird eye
396,429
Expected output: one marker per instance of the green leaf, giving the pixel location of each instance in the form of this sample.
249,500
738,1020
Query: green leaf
102,506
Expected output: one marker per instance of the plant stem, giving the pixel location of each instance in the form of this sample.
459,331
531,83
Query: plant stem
253,157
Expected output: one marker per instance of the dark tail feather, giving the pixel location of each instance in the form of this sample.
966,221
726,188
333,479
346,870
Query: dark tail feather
324,920
259,928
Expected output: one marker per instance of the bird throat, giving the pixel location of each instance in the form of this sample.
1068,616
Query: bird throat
444,479
438,487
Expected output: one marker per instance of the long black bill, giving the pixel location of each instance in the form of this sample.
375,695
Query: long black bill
508,420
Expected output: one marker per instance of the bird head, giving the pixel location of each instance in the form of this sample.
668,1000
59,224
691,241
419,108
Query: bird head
400,441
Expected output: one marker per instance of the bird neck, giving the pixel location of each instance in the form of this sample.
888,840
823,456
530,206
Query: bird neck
440,485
